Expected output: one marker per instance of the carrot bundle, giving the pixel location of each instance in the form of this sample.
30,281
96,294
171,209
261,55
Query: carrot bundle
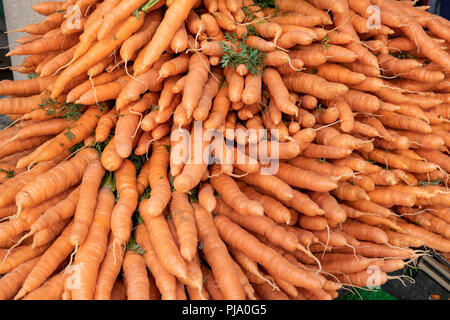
245,144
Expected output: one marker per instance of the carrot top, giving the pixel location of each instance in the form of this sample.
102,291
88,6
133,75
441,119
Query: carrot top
246,55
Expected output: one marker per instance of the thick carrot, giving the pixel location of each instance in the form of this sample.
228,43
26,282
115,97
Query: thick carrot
47,235
234,197
87,202
173,18
183,217
364,232
158,180
141,37
297,177
121,223
135,275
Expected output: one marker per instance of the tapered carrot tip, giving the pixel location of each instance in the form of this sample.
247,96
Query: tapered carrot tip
17,30
22,293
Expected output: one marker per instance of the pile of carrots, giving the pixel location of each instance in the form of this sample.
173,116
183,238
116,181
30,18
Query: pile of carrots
97,202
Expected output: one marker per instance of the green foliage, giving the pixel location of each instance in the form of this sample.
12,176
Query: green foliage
325,43
265,3
68,111
365,294
32,75
322,160
430,183
100,146
318,110
145,195
248,56
9,173
402,55
132,245
193,195
138,161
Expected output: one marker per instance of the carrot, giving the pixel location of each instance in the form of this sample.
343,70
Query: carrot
332,137
220,107
263,226
48,7
135,274
206,197
130,46
211,285
179,41
195,167
50,290
430,223
165,281
25,87
364,232
47,235
304,8
50,260
33,194
266,256
333,211
109,270
12,281
10,188
110,160
430,239
292,38
45,128
272,208
210,90
252,89
104,92
16,146
183,218
121,223
217,255
56,43
266,292
369,206
65,140
84,213
91,253
310,84
322,168
279,92
173,18
159,183
166,250
99,80
297,177
234,197
97,52
18,256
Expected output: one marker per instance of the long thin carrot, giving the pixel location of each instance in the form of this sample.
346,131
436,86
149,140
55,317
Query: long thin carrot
217,255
